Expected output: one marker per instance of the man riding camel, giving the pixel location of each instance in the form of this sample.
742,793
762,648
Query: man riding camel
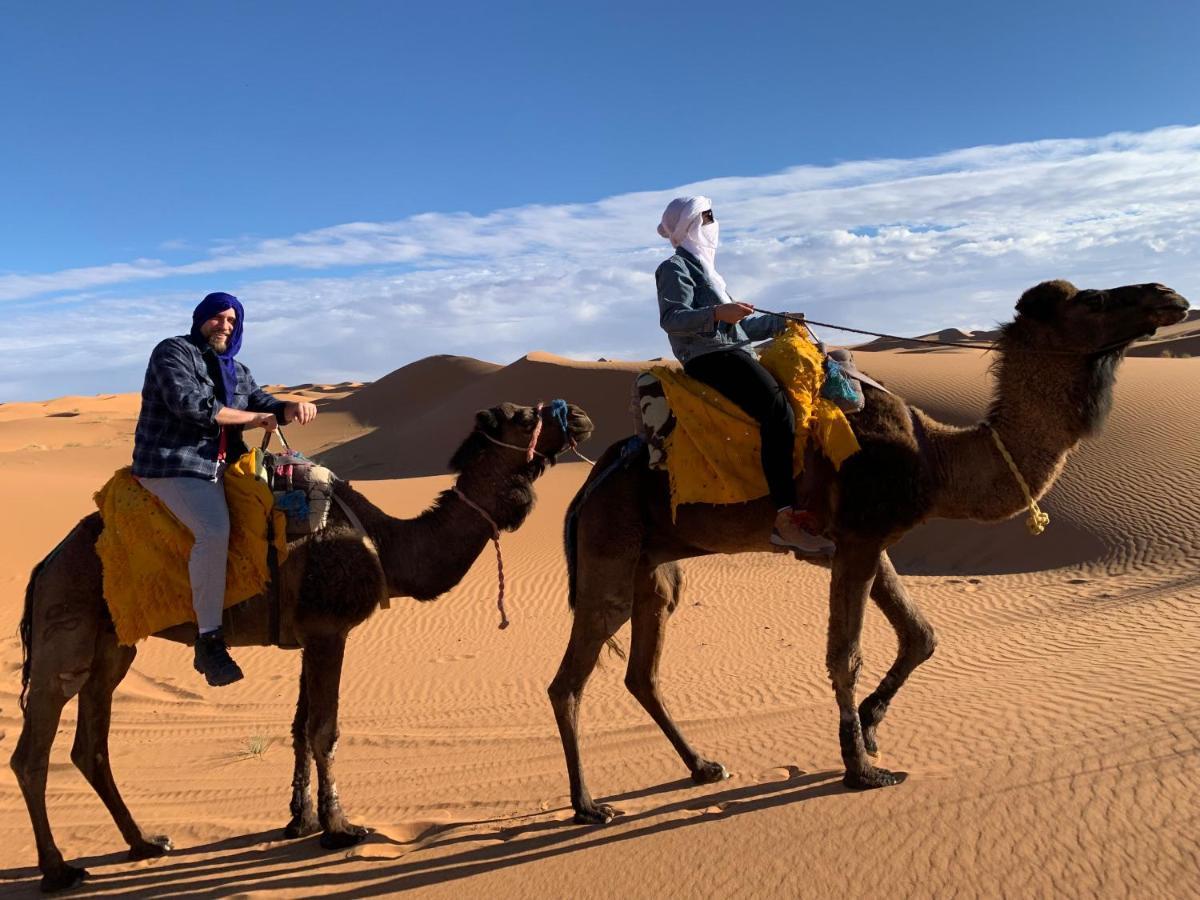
711,333
196,401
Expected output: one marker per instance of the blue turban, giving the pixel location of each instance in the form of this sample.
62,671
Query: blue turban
208,307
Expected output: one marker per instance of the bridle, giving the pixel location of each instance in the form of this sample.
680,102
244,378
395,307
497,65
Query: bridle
558,412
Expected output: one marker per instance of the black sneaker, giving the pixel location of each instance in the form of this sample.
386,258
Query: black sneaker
213,660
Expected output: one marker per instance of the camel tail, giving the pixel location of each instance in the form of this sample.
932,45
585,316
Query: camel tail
25,629
615,457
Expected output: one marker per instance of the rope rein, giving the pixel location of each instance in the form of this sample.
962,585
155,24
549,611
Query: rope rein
1038,520
499,556
968,345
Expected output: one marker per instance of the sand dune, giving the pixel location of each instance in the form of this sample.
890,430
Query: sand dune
1052,742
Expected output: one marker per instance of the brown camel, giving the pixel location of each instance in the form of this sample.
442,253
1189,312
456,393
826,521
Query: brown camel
71,648
1054,376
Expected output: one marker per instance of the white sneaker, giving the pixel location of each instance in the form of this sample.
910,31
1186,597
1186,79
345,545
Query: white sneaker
789,533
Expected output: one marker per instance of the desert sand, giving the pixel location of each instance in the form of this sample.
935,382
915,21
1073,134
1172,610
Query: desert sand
1052,743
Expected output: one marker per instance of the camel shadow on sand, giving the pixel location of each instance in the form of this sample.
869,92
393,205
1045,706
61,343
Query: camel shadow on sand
299,866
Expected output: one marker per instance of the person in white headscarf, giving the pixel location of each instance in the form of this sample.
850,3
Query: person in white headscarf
711,334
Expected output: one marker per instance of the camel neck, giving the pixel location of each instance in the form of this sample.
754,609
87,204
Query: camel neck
426,556
1043,406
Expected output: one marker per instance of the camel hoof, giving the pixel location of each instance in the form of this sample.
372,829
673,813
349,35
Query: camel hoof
872,777
301,827
709,773
63,879
870,745
599,814
151,848
338,840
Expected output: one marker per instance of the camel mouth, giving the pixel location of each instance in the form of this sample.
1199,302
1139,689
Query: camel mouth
1169,313
579,427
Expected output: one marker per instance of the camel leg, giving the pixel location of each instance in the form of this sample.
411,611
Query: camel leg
854,567
589,632
31,762
90,751
917,644
64,621
322,673
304,818
656,593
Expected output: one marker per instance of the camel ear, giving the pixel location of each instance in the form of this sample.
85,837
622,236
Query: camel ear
1042,302
487,421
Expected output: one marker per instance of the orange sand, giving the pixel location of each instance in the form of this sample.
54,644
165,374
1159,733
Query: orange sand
1052,743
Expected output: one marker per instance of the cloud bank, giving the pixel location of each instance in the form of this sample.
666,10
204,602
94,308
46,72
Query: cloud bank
905,246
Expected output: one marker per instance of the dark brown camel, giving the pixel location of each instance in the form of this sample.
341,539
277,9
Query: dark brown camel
71,648
1054,378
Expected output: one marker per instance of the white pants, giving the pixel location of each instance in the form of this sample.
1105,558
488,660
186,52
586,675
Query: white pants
201,506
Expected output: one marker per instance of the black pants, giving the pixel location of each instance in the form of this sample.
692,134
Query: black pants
742,378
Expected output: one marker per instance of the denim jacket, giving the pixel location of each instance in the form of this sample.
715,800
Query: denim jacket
177,433
686,302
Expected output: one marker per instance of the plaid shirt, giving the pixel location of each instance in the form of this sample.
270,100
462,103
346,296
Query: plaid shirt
177,434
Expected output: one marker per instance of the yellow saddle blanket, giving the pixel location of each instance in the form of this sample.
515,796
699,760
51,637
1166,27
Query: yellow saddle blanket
144,550
713,452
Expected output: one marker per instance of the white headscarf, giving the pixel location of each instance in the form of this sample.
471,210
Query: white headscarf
682,225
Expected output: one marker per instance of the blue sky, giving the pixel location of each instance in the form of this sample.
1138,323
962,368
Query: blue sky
429,171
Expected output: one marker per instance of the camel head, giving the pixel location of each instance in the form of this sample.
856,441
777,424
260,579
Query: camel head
1075,339
503,434
1057,315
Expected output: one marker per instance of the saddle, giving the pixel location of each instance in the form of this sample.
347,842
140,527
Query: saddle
710,447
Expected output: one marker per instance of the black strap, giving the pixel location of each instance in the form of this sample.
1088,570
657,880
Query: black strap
273,605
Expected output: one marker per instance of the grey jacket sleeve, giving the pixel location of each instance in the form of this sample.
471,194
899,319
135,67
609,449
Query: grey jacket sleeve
676,313
173,372
760,326
260,401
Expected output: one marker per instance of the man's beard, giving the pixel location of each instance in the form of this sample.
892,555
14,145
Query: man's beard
219,342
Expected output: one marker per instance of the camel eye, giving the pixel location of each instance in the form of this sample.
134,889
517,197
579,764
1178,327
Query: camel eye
1096,301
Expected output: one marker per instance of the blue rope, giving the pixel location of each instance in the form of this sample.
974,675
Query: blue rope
558,411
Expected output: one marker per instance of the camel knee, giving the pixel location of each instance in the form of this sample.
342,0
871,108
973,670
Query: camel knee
844,664
71,683
924,644
642,685
86,760
323,740
561,692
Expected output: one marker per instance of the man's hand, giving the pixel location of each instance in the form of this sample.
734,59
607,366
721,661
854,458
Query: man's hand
299,412
265,421
732,312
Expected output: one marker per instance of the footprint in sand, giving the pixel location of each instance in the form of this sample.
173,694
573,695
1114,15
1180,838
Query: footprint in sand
780,773
456,657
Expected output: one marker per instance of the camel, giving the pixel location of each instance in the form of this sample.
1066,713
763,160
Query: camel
1054,376
71,648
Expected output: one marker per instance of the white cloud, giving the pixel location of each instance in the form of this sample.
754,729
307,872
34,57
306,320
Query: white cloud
896,245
